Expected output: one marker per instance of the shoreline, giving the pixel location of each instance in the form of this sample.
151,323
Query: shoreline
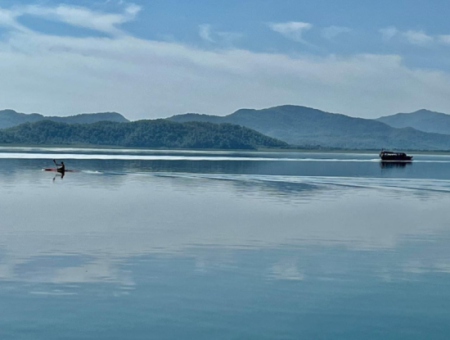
269,150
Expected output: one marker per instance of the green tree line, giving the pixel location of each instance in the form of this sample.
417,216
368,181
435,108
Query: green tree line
159,133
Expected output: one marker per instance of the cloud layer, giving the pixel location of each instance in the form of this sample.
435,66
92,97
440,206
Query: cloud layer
148,78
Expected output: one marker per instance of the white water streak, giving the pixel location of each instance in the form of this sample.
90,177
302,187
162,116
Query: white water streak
13,155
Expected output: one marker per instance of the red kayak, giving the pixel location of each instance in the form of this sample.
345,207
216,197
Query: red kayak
57,170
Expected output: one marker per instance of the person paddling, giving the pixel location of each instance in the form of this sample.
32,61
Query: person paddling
61,167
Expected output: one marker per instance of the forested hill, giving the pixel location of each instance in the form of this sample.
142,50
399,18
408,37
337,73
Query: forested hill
159,133
303,126
423,120
10,118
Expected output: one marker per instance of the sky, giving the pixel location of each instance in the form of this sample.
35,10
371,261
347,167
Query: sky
157,58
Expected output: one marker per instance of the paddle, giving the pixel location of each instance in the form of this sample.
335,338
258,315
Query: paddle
58,166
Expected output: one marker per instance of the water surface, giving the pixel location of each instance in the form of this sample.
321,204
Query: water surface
225,245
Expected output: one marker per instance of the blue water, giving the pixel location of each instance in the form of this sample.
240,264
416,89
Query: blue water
223,245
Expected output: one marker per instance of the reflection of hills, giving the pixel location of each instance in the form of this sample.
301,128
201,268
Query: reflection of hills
134,208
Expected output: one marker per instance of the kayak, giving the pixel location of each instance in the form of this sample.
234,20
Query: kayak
57,170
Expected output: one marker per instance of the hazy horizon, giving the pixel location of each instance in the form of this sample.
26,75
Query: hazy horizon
220,115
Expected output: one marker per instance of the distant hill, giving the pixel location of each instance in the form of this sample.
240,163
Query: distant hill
10,118
422,120
159,133
303,126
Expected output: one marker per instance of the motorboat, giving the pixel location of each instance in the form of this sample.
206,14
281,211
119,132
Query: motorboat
391,156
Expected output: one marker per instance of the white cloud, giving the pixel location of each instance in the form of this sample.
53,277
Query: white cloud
225,38
418,37
132,10
388,33
292,30
73,15
8,18
205,32
333,31
152,79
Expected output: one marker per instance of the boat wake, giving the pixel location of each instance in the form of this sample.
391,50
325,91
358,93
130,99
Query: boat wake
351,182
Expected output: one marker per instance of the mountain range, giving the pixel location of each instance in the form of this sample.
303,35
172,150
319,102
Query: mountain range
10,118
423,120
298,126
303,126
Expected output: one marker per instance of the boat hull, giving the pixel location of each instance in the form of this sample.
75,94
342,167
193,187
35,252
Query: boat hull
390,156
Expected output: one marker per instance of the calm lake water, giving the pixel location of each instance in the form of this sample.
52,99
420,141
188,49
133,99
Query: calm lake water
223,245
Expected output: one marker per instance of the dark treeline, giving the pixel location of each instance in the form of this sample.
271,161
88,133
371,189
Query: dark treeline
145,133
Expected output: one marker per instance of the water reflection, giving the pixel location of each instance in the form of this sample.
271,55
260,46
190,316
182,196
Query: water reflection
170,214
59,174
210,290
391,165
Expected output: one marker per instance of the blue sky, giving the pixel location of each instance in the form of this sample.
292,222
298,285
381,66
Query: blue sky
149,59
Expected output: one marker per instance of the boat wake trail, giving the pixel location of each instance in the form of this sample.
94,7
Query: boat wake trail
350,182
11,155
